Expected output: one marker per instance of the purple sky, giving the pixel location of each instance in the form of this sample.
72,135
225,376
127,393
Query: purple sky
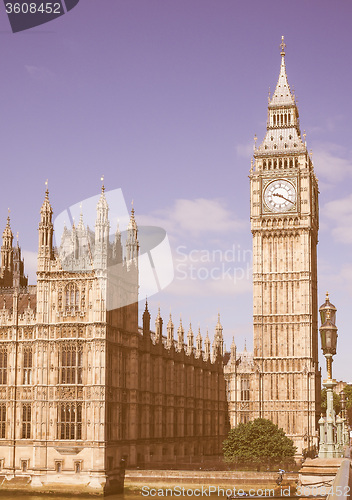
164,98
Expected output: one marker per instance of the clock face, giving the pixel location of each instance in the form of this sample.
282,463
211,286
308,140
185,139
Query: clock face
280,196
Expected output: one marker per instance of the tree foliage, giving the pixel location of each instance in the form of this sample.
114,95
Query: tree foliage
258,442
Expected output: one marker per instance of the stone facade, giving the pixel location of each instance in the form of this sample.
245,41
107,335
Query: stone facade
284,380
82,386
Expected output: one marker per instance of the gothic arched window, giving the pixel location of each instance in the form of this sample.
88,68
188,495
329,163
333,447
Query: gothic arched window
27,365
71,363
71,297
3,365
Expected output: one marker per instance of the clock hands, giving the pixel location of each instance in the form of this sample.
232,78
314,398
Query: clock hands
283,197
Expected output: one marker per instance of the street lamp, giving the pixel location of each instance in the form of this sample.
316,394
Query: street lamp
345,433
328,448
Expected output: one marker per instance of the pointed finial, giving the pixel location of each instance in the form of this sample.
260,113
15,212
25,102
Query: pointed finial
282,45
132,208
17,234
304,136
102,186
245,344
255,141
327,296
47,189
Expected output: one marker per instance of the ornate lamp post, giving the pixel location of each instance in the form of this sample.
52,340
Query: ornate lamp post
345,433
328,448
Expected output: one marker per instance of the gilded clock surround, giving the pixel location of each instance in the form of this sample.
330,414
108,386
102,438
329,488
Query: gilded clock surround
286,189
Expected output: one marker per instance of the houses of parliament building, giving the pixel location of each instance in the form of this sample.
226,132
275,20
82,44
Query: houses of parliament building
83,386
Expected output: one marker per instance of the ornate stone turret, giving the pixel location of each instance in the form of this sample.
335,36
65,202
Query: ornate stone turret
218,347
117,247
45,249
158,326
190,341
233,351
19,279
132,245
180,336
170,333
102,228
199,342
146,320
7,255
207,347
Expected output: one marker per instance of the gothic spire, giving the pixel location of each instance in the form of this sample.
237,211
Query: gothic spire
199,342
282,95
283,136
190,338
7,236
132,244
46,229
218,338
180,336
158,326
102,228
233,350
170,332
207,347
7,251
146,319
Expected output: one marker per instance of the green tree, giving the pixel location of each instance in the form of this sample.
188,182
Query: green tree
337,400
258,442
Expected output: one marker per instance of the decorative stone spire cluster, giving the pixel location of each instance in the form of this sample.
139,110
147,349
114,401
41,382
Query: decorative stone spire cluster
83,249
12,266
179,344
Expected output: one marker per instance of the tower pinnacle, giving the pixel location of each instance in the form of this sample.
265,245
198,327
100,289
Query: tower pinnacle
283,46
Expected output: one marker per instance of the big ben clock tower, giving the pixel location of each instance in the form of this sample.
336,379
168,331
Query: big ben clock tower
284,224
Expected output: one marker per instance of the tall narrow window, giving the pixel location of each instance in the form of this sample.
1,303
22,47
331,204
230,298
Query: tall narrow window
3,365
2,420
71,363
27,365
71,298
69,420
245,388
26,421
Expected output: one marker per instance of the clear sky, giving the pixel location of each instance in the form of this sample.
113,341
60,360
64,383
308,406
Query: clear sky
164,97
